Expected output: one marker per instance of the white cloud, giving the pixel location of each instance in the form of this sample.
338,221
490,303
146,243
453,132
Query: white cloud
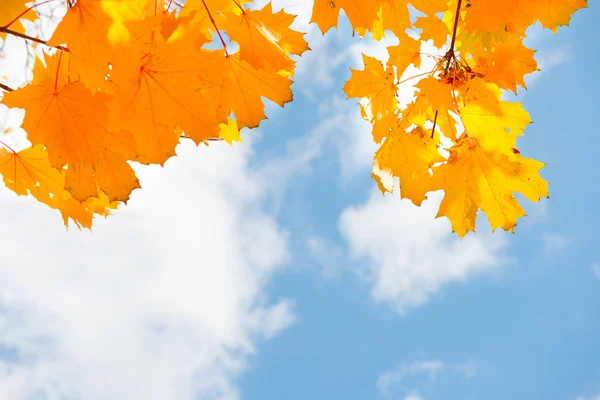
597,397
341,132
329,256
547,60
164,300
596,271
554,244
317,67
410,254
554,57
431,368
413,396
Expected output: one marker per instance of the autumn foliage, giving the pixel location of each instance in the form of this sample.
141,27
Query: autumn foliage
125,80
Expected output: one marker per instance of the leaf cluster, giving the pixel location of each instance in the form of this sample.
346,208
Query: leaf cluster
125,80
457,134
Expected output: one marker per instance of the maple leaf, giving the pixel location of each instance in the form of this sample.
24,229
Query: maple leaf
29,172
84,30
361,14
490,15
552,13
507,64
409,156
393,16
437,93
495,131
230,132
110,174
407,53
430,7
71,122
486,95
121,12
433,28
63,116
374,84
474,179
236,86
265,37
165,93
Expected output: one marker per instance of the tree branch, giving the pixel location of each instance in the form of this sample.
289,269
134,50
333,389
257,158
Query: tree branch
31,38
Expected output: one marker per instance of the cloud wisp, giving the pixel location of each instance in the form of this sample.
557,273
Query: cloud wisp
431,368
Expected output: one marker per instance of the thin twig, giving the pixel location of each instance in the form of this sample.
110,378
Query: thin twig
31,38
455,27
209,139
6,88
449,54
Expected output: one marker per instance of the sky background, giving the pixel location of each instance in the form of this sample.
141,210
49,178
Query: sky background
276,270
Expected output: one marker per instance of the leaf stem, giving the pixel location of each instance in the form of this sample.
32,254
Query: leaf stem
239,6
216,27
434,123
412,77
7,146
57,71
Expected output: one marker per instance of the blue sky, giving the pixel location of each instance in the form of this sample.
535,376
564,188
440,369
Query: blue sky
275,270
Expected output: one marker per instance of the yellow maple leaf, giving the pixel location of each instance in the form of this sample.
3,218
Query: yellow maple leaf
361,14
437,93
552,13
393,16
265,37
474,179
433,28
238,87
430,7
230,132
409,156
407,52
376,85
84,30
495,131
486,95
